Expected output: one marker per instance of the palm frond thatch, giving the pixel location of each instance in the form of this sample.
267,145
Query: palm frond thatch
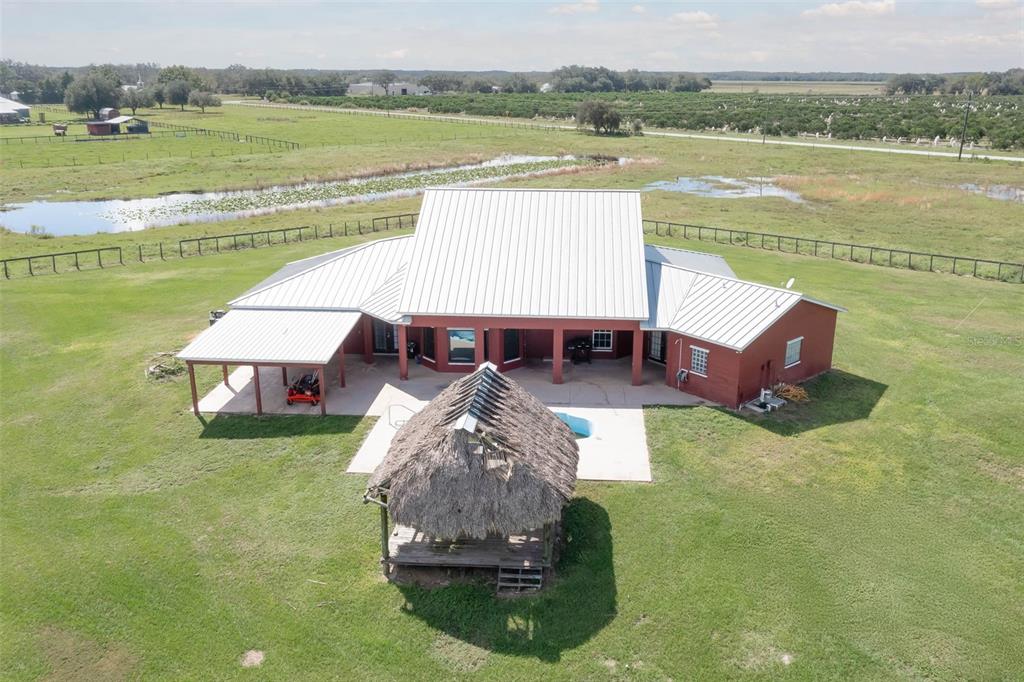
484,457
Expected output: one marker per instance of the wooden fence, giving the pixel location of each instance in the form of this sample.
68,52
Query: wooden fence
1004,271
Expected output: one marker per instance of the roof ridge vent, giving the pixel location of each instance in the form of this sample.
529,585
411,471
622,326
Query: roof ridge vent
483,396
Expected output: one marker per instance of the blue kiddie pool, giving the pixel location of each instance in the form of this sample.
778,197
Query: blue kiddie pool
580,426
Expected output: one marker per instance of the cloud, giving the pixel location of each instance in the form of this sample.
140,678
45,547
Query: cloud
400,53
584,7
853,8
700,19
638,9
997,4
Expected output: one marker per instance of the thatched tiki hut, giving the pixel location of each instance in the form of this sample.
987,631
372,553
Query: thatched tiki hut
478,478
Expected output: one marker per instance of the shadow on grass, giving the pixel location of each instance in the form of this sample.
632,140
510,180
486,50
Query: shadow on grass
276,426
835,397
579,601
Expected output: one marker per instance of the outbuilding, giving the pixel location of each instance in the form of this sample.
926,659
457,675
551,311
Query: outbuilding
517,276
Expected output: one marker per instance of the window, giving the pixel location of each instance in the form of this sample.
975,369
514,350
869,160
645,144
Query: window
699,361
511,345
793,351
602,339
657,349
461,346
429,342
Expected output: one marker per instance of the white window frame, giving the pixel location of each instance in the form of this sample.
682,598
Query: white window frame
707,357
800,351
662,338
611,340
448,335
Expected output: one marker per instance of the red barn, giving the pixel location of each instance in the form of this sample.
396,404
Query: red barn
515,276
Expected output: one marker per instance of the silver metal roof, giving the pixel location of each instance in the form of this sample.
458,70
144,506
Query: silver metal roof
693,260
342,282
722,310
299,337
528,253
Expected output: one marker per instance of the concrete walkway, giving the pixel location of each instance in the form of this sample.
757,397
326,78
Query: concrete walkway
616,450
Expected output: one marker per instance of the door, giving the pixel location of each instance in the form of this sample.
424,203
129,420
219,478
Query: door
385,336
656,351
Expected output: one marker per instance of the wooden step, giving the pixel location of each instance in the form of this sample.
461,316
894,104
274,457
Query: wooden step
516,579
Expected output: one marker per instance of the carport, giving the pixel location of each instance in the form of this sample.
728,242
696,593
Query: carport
306,339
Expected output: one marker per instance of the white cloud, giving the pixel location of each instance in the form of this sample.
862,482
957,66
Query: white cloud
400,53
639,9
853,8
997,4
700,19
584,7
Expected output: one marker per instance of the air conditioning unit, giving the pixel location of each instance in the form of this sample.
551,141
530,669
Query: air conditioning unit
682,376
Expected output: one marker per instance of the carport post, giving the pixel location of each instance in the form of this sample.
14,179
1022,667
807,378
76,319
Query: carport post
323,389
284,376
403,352
638,357
256,385
557,345
367,339
341,368
192,385
478,346
224,373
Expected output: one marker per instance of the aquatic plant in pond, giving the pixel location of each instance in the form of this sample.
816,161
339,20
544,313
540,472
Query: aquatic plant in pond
718,187
361,189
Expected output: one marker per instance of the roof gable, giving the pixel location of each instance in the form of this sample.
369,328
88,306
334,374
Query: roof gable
528,253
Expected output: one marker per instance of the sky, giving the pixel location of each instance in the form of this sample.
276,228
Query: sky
846,35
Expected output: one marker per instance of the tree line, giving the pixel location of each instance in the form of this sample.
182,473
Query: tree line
1009,82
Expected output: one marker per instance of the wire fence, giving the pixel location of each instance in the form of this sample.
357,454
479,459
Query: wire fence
109,256
74,261
982,268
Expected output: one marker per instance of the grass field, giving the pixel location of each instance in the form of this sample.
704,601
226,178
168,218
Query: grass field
896,201
874,533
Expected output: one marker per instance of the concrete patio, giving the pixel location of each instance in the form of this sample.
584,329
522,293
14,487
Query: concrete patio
616,450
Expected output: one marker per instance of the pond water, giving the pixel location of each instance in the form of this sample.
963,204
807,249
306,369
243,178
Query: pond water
719,187
120,215
1000,192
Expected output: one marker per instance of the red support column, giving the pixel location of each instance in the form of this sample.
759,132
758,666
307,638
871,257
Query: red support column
192,385
224,373
341,368
323,390
478,346
256,385
497,346
557,346
403,354
638,357
367,339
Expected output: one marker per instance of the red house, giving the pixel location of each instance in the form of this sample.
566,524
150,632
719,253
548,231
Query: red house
512,276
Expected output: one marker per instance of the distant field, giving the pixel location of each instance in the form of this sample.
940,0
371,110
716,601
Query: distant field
805,87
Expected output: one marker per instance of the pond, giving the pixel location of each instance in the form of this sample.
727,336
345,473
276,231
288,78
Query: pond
719,187
120,215
1000,192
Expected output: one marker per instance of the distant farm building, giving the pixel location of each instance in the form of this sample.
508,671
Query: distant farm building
367,89
107,113
12,111
113,126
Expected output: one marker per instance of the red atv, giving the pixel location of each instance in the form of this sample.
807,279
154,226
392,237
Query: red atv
305,390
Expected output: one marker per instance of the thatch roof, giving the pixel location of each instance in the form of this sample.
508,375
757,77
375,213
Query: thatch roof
483,457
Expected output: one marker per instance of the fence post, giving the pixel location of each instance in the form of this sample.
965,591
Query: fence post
162,251
140,253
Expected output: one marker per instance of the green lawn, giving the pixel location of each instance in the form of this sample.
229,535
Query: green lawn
874,533
902,202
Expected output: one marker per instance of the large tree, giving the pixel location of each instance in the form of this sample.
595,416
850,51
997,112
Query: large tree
158,93
176,92
90,93
385,79
136,98
198,98
601,115
182,73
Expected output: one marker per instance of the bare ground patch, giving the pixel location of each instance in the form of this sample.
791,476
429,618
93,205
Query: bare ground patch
72,656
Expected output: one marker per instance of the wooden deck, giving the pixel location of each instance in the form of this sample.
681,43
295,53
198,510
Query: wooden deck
409,547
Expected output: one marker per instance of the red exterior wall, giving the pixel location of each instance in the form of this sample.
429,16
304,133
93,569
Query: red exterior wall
734,378
536,337
815,323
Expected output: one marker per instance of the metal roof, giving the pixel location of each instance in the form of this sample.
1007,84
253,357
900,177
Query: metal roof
528,253
693,260
342,282
298,337
722,310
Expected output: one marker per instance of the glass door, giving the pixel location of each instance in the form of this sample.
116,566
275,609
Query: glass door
656,351
385,336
